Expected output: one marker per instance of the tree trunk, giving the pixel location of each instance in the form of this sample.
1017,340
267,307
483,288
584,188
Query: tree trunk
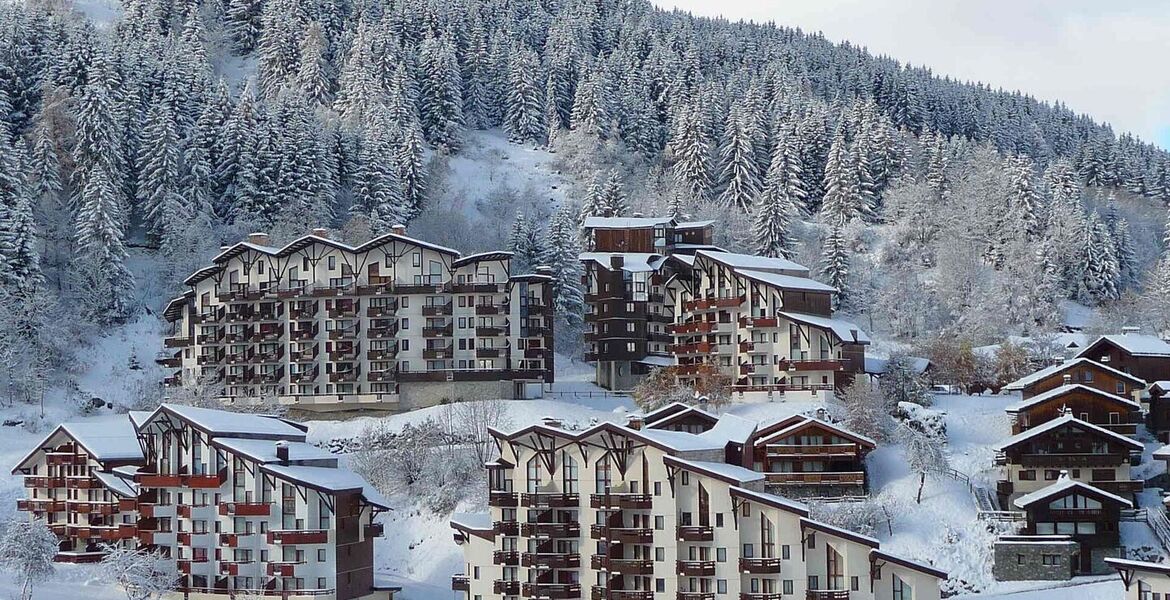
921,484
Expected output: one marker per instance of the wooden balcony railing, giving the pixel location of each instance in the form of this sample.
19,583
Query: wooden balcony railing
816,478
759,566
695,533
696,568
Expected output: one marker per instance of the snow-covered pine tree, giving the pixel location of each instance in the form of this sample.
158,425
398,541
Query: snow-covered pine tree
835,262
19,259
561,255
158,161
524,118
243,24
611,199
314,71
102,279
691,148
591,204
441,94
842,201
1024,199
937,161
781,201
741,181
98,135
377,190
526,243
358,85
408,159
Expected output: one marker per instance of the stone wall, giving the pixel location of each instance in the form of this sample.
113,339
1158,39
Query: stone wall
1019,559
414,395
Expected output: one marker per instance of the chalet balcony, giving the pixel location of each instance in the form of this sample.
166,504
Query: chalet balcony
176,342
759,566
270,312
1072,460
298,536
537,353
620,501
823,364
554,591
282,568
603,593
489,352
384,310
171,361
761,596
205,481
534,331
241,314
233,568
346,333
242,377
241,357
40,505
509,528
64,457
695,596
239,336
269,357
506,587
549,500
304,376
304,312
246,509
460,583
207,315
550,561
80,482
211,339
382,332
472,287
350,352
437,332
303,334
746,346
438,353
209,358
501,557
91,507
826,595
816,478
694,533
487,309
502,499
383,353
552,530
758,322
821,451
1120,487
343,311
235,540
696,568
383,375
305,355
175,380
374,530
623,566
273,376
691,349
636,535
709,304
32,481
490,331
696,327
351,376
747,369
437,310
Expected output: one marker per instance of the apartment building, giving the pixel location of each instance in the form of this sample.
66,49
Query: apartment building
1142,580
76,481
393,324
614,512
244,506
656,297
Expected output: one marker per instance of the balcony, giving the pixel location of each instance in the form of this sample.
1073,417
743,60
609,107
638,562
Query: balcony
233,567
437,310
1072,460
157,481
246,509
759,566
508,528
502,499
303,334
44,482
695,533
808,364
550,561
381,375
826,595
383,353
383,310
691,328
691,349
816,478
350,352
382,332
346,333
205,481
696,568
438,353
554,591
488,352
307,376
490,331
603,593
437,332
622,566
537,353
635,535
549,500
171,361
619,501
500,557
472,287
233,540
351,375
343,311
695,596
707,304
304,312
460,583
821,451
487,309
294,536
758,322
176,342
761,596
552,530
506,587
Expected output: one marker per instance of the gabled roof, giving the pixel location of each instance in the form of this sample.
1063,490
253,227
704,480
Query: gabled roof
481,257
477,524
788,282
755,263
264,451
693,224
1124,564
231,424
728,473
677,410
1064,486
1161,387
111,439
174,308
771,500
308,240
1135,344
117,484
632,262
803,422
846,331
1047,372
1070,420
877,554
328,479
625,222
1063,390
839,532
666,410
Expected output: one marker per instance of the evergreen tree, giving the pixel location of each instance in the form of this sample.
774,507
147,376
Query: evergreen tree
781,201
741,181
611,198
843,200
441,94
1024,200
526,244
243,23
158,159
19,260
524,120
408,159
835,262
691,147
103,281
314,72
377,190
561,255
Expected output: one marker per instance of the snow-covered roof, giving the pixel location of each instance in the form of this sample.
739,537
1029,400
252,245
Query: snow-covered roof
482,256
1047,372
1136,344
306,240
1161,386
117,484
771,500
694,224
1061,421
879,366
1068,389
730,428
839,532
328,479
915,565
222,422
1064,485
472,521
656,360
806,421
790,282
754,263
633,262
680,441
1162,453
845,330
624,222
264,451
1125,564
718,470
108,439
138,417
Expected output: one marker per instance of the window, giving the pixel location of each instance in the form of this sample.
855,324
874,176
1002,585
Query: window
720,586
475,572
1120,389
321,555
1051,474
785,553
787,587
1050,560
660,585
719,519
721,555
1020,559
748,551
686,478
1028,475
660,554
854,584
332,263
901,590
416,259
659,522
812,542
657,488
321,583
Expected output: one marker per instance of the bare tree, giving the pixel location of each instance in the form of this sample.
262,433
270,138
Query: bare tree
924,454
142,575
27,549
468,423
867,409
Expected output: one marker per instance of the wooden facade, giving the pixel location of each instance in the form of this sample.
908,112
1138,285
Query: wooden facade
1087,404
1079,371
806,456
1143,356
1086,514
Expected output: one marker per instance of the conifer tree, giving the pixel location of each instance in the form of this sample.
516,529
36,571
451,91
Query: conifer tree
781,201
315,73
441,94
19,260
835,262
524,120
611,199
100,267
243,23
1024,200
842,201
561,255
741,181
691,147
158,159
408,159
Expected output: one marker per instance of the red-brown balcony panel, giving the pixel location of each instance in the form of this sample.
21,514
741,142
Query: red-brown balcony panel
502,499
289,536
232,568
550,561
504,557
759,566
816,477
695,533
695,596
205,481
826,595
552,530
245,509
696,568
460,583
636,535
554,591
282,569
44,482
233,540
509,528
554,500
506,588
621,501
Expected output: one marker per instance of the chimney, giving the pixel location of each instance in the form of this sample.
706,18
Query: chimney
1129,330
1063,475
321,232
634,422
550,422
1068,378
544,270
258,238
282,451
616,262
398,229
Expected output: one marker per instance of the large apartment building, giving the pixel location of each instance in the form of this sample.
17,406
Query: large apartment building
618,513
393,324
240,502
659,294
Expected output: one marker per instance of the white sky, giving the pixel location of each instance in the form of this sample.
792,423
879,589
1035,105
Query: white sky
1107,58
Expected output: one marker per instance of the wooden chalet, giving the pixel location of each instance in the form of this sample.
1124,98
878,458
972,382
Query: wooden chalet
808,456
1079,371
677,416
1089,404
1158,410
1082,451
1087,514
1144,356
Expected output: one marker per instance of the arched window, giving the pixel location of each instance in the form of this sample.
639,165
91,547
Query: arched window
534,474
569,473
604,475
